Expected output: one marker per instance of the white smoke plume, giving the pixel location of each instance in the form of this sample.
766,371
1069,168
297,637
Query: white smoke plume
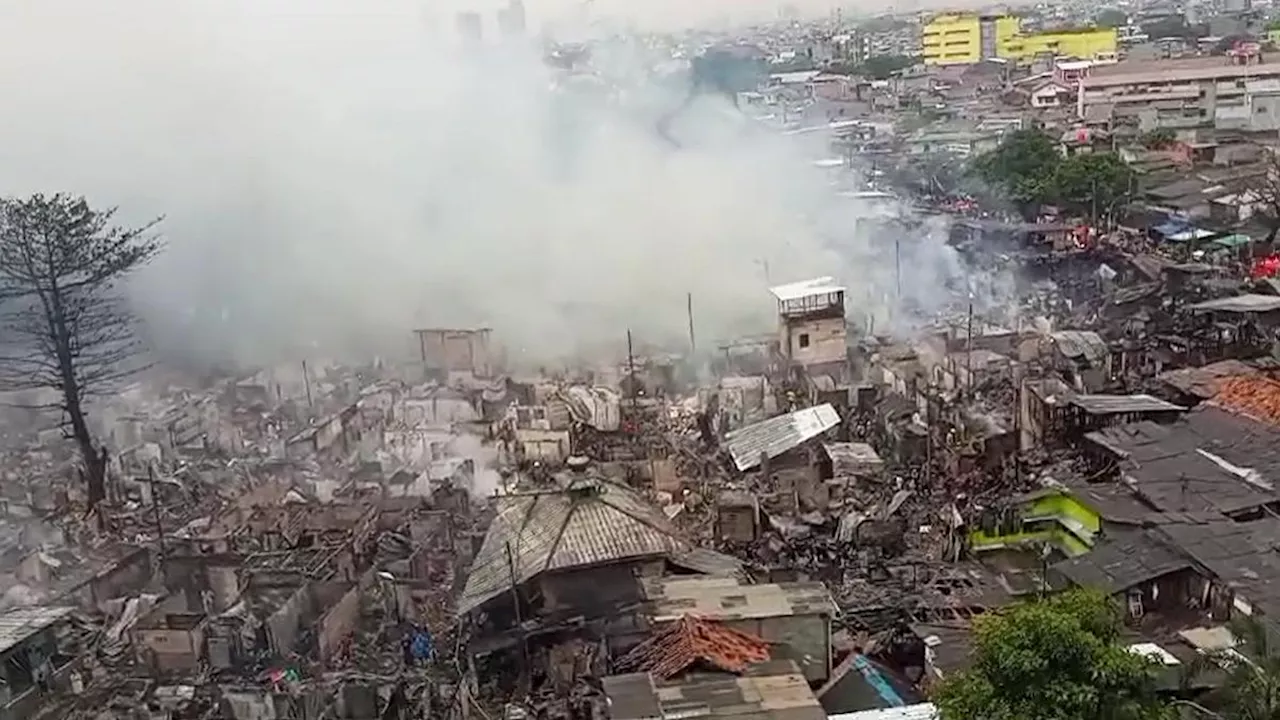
333,176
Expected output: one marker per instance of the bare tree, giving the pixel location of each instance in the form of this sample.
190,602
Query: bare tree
1266,195
65,326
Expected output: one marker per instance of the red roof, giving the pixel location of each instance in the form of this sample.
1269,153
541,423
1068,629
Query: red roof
692,639
1258,397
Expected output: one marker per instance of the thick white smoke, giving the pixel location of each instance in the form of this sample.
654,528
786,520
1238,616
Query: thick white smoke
333,177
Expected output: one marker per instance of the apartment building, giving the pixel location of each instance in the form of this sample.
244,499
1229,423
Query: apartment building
961,39
1237,91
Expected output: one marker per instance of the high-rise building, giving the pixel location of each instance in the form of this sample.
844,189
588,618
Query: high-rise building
470,27
511,20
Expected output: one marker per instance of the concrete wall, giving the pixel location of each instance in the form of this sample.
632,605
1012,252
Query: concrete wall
284,623
167,650
547,445
736,522
814,341
124,577
341,620
456,350
416,412
808,638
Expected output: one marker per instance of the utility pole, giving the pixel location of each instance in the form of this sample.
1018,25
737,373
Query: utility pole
897,265
968,355
155,505
1017,417
306,382
631,370
693,343
515,601
1094,198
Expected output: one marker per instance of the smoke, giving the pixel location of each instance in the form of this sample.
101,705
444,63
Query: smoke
333,177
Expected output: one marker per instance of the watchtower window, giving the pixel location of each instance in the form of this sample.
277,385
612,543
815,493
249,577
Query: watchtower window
804,340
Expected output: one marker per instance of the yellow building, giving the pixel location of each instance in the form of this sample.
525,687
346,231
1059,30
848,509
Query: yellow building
952,40
1085,44
962,39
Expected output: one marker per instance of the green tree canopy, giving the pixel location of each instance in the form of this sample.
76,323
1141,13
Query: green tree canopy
882,67
1022,166
1056,659
1110,18
1158,139
1092,184
1251,688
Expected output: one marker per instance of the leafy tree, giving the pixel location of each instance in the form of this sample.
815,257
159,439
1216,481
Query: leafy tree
1092,184
882,67
882,24
1250,689
66,327
1111,18
1056,659
1158,139
1021,166
1176,27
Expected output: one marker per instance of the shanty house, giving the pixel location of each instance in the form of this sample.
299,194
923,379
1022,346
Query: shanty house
778,436
1212,460
786,450
574,548
171,638
1081,356
30,662
1140,569
1045,518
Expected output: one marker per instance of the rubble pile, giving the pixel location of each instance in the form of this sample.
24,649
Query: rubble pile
818,513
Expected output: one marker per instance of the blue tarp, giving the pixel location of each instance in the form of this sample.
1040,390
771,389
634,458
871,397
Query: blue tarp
881,684
421,646
1171,227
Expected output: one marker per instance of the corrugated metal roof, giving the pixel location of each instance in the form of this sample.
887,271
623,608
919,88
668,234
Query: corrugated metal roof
777,435
727,600
919,711
1081,343
771,690
21,623
805,288
1115,404
585,525
1240,303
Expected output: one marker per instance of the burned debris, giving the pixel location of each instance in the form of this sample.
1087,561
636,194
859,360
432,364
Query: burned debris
804,522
